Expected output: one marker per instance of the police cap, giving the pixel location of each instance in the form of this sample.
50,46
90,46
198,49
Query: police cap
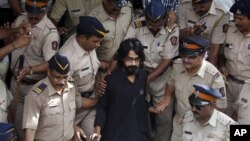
241,7
36,6
120,3
155,10
59,63
204,95
91,26
200,1
7,131
193,46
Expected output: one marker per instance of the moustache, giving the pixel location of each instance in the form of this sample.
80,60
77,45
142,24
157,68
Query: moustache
60,84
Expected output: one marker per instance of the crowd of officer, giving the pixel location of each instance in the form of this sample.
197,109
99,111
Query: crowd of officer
56,54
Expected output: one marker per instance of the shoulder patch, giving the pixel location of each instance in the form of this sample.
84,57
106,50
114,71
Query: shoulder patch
225,28
40,88
55,45
138,24
188,116
214,73
173,40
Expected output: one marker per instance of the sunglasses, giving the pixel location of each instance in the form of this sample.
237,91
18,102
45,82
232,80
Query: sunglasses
198,107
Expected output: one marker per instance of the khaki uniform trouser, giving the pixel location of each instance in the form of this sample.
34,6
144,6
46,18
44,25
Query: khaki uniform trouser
243,106
163,121
86,118
177,130
233,90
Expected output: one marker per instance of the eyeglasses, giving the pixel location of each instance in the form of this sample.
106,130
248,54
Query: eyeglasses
59,78
131,59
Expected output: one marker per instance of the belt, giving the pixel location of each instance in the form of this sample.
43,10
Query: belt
86,94
29,81
236,80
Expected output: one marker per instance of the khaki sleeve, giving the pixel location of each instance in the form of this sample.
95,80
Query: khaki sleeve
220,85
218,35
181,16
58,10
171,48
50,45
131,32
31,111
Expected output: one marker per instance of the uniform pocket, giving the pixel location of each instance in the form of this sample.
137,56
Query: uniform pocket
53,116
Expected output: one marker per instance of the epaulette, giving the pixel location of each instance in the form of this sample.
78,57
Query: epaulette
188,116
138,24
39,88
214,73
225,120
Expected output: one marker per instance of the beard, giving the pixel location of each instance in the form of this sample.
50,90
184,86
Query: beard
131,70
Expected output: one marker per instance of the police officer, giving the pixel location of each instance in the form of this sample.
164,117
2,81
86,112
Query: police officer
73,9
116,16
50,106
203,17
80,49
161,47
204,122
44,44
236,63
191,69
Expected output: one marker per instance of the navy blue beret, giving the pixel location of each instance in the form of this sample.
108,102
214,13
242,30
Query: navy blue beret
6,131
59,63
204,95
35,6
193,45
91,26
155,10
241,7
120,3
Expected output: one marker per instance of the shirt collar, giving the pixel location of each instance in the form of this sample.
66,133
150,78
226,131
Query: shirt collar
42,23
212,9
51,89
161,32
104,15
80,51
213,118
201,71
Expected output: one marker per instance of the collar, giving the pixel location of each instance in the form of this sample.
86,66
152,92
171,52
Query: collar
212,9
104,15
51,89
202,70
42,23
213,119
161,32
80,51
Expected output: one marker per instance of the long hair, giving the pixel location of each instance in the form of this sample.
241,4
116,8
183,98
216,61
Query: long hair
126,46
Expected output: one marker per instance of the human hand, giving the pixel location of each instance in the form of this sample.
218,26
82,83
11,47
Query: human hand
62,30
171,19
22,73
152,109
79,135
101,85
22,41
95,137
163,104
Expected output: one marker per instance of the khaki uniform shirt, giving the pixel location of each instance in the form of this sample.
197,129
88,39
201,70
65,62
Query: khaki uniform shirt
237,53
215,20
43,46
49,113
216,129
117,30
159,47
183,83
5,99
84,64
74,8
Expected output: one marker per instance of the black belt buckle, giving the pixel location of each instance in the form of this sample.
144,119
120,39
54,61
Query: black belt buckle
86,94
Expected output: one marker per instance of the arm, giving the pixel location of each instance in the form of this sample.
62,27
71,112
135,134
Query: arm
15,6
159,70
163,104
29,135
213,54
88,102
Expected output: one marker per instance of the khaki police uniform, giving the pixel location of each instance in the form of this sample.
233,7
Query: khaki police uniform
158,48
117,30
74,8
4,66
216,129
237,54
5,99
183,83
84,68
215,19
41,48
49,113
243,104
